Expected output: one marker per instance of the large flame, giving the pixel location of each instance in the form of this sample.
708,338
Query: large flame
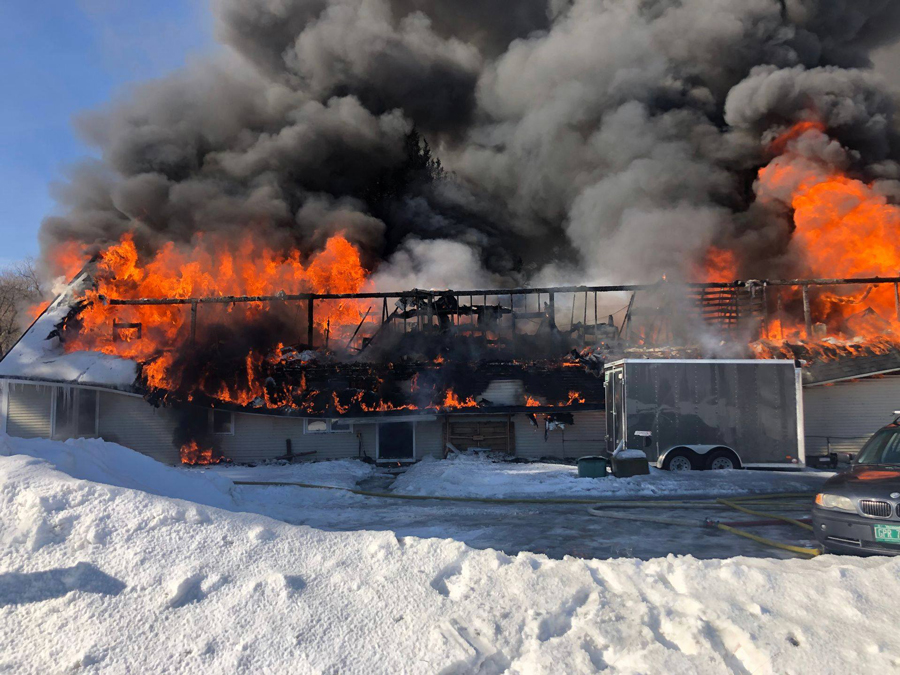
843,228
213,266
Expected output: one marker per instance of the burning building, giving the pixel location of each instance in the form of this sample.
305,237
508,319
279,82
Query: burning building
255,218
305,372
165,356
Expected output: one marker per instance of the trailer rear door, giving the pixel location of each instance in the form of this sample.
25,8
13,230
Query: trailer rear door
615,407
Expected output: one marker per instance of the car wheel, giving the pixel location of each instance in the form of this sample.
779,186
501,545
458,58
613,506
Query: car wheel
678,462
721,460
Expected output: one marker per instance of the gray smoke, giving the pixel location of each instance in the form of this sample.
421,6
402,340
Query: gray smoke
586,140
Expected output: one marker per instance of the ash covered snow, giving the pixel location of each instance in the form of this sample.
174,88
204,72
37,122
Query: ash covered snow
98,577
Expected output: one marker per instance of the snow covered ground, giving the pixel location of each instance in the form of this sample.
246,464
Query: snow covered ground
99,577
477,476
557,530
334,473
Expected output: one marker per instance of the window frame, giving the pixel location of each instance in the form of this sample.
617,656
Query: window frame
77,393
415,449
328,426
212,424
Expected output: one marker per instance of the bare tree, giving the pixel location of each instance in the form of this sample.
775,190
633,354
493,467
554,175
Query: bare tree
20,290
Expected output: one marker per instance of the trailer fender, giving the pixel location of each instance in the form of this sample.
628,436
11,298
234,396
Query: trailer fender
701,455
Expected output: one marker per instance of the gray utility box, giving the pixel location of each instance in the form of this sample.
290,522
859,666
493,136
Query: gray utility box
712,413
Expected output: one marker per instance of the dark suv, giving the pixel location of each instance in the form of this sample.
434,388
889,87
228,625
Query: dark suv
858,510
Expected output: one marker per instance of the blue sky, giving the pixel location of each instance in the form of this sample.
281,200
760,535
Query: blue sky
61,57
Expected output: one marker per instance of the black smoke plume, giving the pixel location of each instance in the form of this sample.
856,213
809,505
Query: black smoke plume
582,140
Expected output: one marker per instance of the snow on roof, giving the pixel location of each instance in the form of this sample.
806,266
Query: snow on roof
40,357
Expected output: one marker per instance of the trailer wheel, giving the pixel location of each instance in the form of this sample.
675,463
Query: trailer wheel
722,460
678,461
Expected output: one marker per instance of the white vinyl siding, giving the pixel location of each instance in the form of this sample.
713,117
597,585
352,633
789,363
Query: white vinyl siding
132,422
29,408
587,436
843,415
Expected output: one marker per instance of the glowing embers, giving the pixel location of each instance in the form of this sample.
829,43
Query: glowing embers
825,350
575,398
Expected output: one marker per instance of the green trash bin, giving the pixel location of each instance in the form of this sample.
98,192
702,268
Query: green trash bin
592,467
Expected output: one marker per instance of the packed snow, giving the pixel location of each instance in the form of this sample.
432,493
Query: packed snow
99,577
341,473
102,462
38,356
477,475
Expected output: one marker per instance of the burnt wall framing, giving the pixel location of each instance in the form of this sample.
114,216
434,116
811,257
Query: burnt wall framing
730,307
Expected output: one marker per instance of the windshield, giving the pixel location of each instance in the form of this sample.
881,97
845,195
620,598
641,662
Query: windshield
882,448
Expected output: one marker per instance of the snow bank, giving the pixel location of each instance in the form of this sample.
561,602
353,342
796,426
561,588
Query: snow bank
36,356
478,476
101,462
106,579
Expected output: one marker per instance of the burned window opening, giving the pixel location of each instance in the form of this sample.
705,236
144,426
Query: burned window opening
221,422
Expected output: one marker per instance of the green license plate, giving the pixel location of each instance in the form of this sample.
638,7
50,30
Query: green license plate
889,534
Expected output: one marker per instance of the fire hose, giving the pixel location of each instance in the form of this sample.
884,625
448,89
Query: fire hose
697,503
762,503
739,504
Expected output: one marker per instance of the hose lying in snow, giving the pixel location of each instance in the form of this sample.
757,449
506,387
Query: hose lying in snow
598,510
442,498
800,550
685,503
743,509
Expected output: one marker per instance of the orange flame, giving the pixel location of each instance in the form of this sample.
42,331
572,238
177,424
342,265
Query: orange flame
574,397
452,401
214,266
193,455
844,228
781,142
718,265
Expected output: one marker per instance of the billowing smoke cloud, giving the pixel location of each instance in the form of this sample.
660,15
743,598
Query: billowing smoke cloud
585,140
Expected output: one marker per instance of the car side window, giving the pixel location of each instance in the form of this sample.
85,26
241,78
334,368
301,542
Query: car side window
891,453
873,449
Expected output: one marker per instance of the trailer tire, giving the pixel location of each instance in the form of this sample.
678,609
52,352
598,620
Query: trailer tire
722,459
679,460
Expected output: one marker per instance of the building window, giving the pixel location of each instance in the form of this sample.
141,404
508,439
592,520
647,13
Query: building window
221,422
75,413
311,426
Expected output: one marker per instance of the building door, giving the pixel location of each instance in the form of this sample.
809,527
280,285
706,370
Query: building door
615,407
494,435
396,441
